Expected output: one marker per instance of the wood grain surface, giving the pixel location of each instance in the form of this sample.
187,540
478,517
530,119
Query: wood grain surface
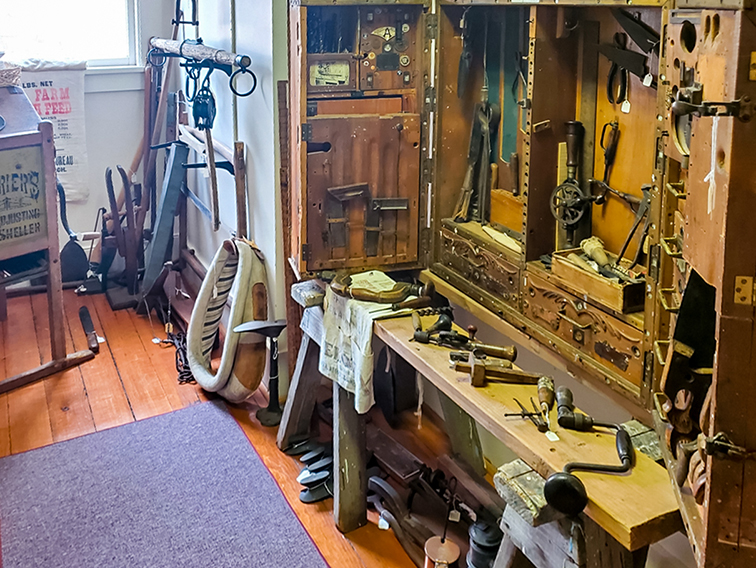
637,508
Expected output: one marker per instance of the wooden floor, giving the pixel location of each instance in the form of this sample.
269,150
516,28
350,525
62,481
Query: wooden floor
132,379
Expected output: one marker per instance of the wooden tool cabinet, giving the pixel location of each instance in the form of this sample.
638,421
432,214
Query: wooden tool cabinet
379,155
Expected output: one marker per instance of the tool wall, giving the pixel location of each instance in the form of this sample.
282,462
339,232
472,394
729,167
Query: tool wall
582,171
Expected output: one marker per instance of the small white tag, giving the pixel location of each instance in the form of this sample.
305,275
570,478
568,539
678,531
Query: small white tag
625,106
454,516
100,339
552,437
156,340
648,79
383,524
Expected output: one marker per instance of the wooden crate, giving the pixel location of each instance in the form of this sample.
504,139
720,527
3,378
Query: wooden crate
622,297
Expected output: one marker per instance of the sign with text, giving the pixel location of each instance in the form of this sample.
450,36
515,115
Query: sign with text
58,96
23,215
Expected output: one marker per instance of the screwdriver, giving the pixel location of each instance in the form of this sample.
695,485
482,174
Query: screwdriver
546,397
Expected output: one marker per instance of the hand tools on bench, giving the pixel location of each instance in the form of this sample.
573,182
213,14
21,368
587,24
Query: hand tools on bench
563,490
456,340
443,323
483,370
535,417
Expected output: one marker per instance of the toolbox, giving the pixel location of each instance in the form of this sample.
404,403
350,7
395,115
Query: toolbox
484,141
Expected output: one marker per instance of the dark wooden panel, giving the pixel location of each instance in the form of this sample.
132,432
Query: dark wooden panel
373,150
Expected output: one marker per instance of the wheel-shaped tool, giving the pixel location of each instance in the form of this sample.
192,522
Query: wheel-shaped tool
568,203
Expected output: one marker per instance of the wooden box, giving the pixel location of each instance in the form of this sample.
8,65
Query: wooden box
621,297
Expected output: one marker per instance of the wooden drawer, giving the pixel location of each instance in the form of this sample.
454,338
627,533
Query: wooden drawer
487,269
620,297
609,340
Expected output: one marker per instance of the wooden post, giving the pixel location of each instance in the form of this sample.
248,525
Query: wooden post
303,389
54,279
349,461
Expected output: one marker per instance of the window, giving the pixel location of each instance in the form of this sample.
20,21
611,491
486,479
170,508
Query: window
101,32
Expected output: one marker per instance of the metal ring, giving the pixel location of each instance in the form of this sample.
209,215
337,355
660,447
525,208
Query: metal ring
151,53
242,71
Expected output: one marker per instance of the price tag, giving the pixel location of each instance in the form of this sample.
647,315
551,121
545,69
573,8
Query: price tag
383,524
552,436
648,79
625,106
454,516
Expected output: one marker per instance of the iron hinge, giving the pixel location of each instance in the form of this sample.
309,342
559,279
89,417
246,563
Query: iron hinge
306,252
431,25
745,291
306,132
648,368
653,265
430,98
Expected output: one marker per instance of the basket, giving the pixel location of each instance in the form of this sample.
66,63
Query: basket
10,75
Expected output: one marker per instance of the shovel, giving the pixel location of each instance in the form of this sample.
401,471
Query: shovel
74,263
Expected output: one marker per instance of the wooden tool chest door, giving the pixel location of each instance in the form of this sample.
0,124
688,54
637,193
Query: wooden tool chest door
362,190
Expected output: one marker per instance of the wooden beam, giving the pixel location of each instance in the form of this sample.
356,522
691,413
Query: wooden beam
46,370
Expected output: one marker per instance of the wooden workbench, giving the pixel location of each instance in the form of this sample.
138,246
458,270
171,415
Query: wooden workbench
637,509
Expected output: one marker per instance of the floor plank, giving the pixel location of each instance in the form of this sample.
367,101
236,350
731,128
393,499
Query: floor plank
28,417
143,389
163,359
67,403
105,393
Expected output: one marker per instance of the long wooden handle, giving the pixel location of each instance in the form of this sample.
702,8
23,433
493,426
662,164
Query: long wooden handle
200,52
210,156
240,180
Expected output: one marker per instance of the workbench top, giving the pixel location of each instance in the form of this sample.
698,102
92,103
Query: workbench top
637,508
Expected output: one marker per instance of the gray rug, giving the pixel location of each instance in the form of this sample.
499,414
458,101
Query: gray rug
184,489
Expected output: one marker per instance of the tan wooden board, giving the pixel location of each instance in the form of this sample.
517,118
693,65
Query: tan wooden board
637,509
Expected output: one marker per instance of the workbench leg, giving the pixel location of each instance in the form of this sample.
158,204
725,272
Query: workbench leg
463,434
509,556
350,461
603,551
303,393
